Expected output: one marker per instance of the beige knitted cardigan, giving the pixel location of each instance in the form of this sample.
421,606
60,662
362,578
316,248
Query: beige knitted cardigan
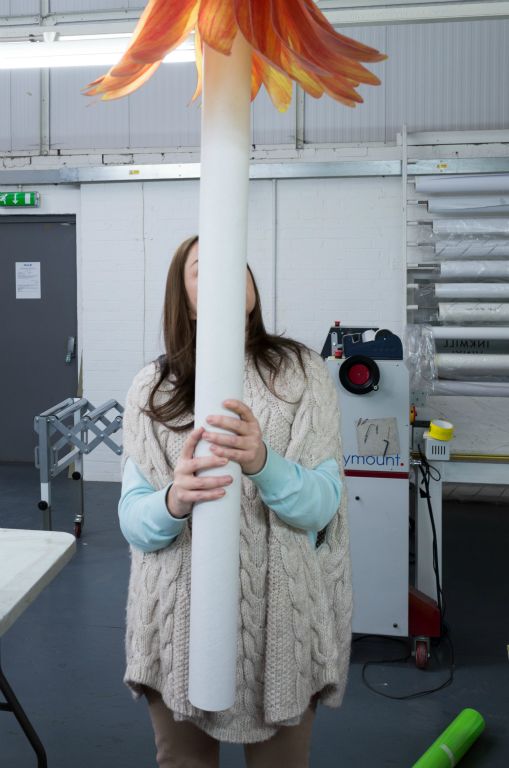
295,600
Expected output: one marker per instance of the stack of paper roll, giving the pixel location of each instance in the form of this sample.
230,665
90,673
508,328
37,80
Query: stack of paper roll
469,296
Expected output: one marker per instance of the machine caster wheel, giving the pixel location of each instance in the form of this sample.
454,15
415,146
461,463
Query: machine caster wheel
43,505
76,475
77,530
421,654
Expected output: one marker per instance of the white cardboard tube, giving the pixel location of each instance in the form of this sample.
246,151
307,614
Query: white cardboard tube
489,291
469,204
456,365
475,388
483,226
470,332
462,183
220,367
471,248
473,312
463,270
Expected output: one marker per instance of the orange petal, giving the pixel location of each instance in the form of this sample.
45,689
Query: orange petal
217,25
256,77
163,25
352,48
314,47
274,26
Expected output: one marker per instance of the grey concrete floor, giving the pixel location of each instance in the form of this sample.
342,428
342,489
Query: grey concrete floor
64,656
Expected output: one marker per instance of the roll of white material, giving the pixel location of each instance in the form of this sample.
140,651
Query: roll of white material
470,388
462,183
461,270
489,291
471,248
469,204
487,226
369,335
473,312
457,365
470,332
215,576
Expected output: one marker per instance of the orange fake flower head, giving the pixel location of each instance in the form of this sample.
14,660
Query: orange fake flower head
291,40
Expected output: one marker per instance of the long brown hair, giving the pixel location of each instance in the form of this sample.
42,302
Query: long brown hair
179,330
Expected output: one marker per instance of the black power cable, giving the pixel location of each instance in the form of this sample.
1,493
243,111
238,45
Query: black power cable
428,473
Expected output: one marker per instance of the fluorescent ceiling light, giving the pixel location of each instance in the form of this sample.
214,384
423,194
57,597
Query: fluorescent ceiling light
80,51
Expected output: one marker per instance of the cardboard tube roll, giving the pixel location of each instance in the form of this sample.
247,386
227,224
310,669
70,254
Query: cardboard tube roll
220,367
446,388
473,312
462,184
489,291
470,332
456,365
480,270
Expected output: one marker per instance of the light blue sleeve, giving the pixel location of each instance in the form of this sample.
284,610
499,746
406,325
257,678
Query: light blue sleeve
304,498
144,517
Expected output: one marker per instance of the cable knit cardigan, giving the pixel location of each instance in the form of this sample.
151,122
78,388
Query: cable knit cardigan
294,619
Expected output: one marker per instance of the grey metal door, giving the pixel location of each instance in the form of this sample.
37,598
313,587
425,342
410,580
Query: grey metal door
35,332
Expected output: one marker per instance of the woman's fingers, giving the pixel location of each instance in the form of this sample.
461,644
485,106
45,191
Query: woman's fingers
191,442
230,423
237,406
203,462
193,483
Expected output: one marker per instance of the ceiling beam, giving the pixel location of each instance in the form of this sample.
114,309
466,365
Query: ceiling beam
341,13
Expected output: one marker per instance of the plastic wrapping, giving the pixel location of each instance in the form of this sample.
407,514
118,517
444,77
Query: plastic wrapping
495,333
473,312
419,349
470,248
489,291
427,294
460,184
456,365
469,204
479,270
459,227
450,388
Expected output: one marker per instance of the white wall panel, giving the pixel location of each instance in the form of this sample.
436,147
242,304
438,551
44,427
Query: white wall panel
269,125
79,121
19,7
25,109
171,216
74,6
339,256
5,113
329,121
448,76
161,113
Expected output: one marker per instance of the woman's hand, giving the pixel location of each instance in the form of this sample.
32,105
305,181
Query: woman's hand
246,445
187,489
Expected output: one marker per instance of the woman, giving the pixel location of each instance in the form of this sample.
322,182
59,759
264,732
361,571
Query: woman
295,597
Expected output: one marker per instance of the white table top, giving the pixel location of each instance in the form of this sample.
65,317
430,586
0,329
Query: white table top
29,561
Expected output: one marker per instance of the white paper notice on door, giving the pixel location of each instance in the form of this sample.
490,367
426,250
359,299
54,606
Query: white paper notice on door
28,279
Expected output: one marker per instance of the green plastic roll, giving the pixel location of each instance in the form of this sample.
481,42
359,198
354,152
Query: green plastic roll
452,744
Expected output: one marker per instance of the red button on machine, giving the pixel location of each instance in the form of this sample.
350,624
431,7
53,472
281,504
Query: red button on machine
359,374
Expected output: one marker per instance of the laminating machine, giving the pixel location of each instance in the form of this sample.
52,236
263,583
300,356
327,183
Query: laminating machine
372,385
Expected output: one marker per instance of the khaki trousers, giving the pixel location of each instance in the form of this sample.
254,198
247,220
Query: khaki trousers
183,745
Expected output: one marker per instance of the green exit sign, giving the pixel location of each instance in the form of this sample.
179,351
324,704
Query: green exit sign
20,199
